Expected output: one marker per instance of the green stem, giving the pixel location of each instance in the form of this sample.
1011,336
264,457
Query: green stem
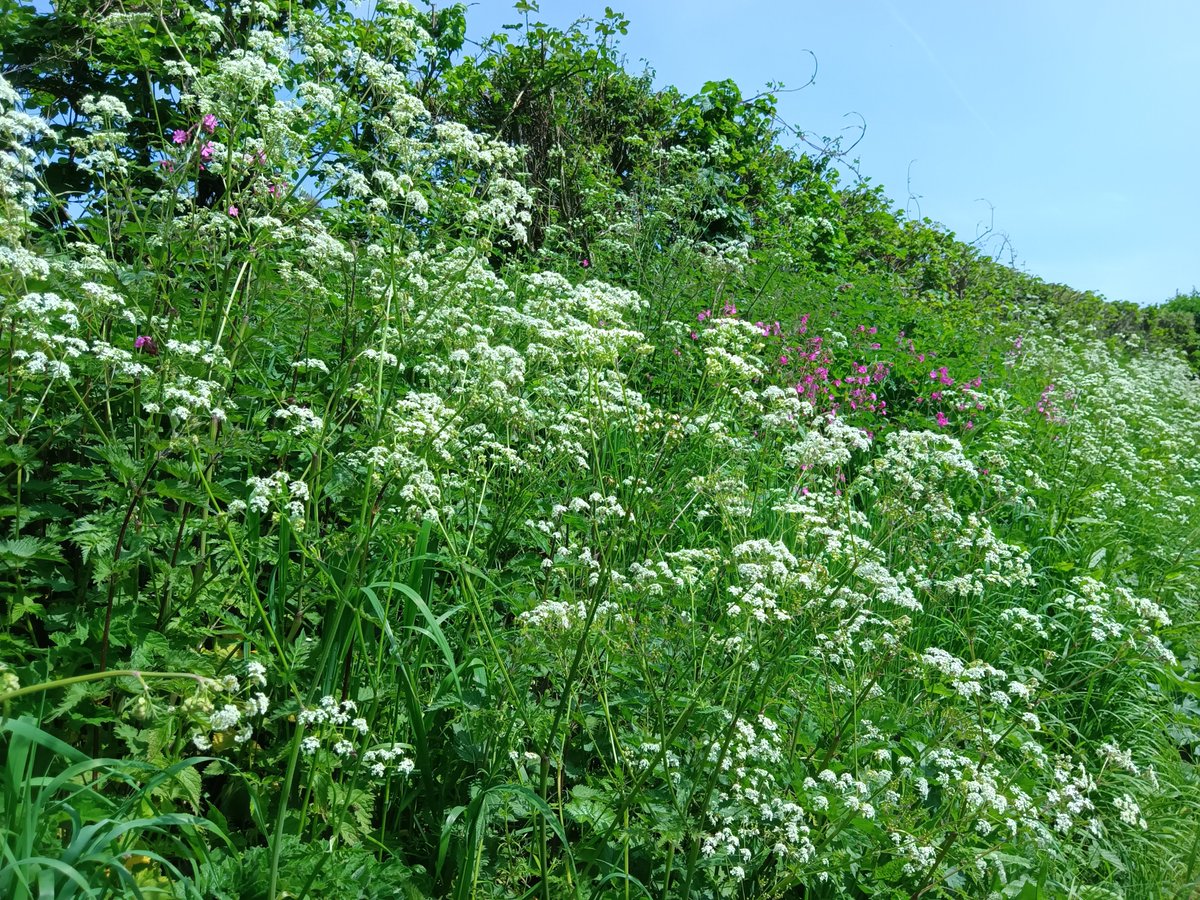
98,676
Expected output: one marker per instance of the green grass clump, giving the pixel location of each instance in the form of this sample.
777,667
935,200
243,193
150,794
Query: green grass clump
384,515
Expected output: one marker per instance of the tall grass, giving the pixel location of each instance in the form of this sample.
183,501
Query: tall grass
341,559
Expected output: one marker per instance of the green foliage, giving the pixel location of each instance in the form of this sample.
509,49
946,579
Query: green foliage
1177,323
69,834
497,477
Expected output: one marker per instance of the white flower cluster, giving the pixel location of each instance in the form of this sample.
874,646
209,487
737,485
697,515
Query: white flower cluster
279,489
311,365
765,569
382,761
680,571
562,615
977,680
753,816
1115,612
1129,811
337,732
829,444
188,397
301,420
234,716
328,710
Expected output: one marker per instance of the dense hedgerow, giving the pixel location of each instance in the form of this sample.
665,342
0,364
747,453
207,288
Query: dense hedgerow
376,526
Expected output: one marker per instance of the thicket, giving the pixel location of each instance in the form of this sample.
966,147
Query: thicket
447,471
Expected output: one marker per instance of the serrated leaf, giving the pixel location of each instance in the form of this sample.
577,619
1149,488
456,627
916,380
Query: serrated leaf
17,551
181,491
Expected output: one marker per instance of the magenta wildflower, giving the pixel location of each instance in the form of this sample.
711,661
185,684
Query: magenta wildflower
145,344
179,136
233,211
209,123
206,151
585,263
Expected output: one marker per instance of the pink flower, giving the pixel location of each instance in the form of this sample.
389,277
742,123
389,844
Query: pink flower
179,136
206,151
146,344
209,123
942,420
233,211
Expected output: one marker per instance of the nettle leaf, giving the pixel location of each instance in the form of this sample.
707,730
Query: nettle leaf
152,648
71,699
181,491
122,464
186,786
589,807
25,607
18,551
133,738
37,511
95,535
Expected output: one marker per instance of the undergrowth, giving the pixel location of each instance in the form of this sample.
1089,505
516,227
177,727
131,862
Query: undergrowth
387,515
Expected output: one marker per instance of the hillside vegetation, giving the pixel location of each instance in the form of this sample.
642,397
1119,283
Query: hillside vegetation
433,473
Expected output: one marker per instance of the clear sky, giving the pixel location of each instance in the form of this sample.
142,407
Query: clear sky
1077,120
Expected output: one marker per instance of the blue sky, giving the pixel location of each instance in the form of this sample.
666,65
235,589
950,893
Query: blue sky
1079,122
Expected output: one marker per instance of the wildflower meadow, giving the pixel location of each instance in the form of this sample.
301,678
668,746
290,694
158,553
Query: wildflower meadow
443,471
